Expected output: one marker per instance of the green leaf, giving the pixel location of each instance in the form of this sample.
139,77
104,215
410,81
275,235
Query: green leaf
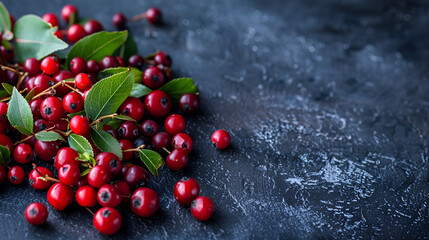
108,94
81,113
3,93
80,144
140,90
127,49
114,123
5,24
96,46
4,155
177,87
85,172
111,71
7,87
124,118
48,136
152,160
30,95
106,142
19,113
34,38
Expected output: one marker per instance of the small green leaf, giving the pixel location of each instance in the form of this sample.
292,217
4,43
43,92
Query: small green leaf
4,155
85,172
108,94
80,144
7,87
124,118
48,136
30,95
152,160
5,24
34,38
177,87
111,71
81,113
127,49
3,93
114,123
19,113
96,46
106,142
140,90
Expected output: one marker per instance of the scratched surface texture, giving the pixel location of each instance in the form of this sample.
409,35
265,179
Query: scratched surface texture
326,101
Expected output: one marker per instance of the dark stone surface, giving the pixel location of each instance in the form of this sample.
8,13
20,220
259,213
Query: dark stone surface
326,101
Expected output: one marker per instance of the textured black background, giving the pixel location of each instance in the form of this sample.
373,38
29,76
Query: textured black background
327,104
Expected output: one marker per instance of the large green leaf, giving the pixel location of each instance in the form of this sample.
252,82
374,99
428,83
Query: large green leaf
106,142
140,90
5,24
19,113
34,38
127,49
179,86
4,155
48,136
97,45
80,144
111,71
151,159
107,95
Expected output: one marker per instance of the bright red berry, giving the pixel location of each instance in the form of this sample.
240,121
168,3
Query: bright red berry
41,83
60,196
86,196
107,220
189,103
51,109
32,66
177,159
186,190
202,208
182,140
119,20
174,124
161,140
125,145
69,11
79,125
69,174
23,153
47,150
82,81
60,76
99,176
73,102
92,26
108,196
128,130
16,174
3,112
144,202
221,139
154,15
58,34
158,104
136,176
78,65
75,33
38,183
153,78
133,108
51,18
5,141
49,66
36,213
162,59
111,161
66,155
149,128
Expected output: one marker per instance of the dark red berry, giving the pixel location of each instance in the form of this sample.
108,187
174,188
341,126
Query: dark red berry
121,61
177,159
79,125
128,130
153,78
36,213
23,153
51,109
221,139
186,190
3,111
75,33
136,61
111,161
144,202
154,15
69,174
126,145
93,78
41,83
161,140
133,108
182,140
36,182
108,62
73,102
174,124
61,125
83,181
35,107
136,176
149,128
2,173
78,65
7,53
92,66
162,59
107,220
189,103
16,174
5,141
109,196
40,125
99,176
86,196
158,104
47,150
202,208
82,81
143,140
11,77
69,12
32,66
92,26
119,20
51,18
49,66
3,127
60,76
60,196
66,155
110,130
123,189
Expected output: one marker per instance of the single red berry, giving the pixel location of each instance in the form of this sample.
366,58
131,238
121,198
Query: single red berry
110,130
121,61
136,176
99,176
123,189
60,76
66,155
41,83
202,208
186,190
125,145
47,150
69,11
149,128
5,141
40,125
59,34
16,174
3,111
128,130
86,93
49,66
158,104
144,202
119,20
26,82
2,173
11,77
182,140
61,125
60,196
75,33
32,66
189,103
78,65
79,125
154,15
3,127
23,153
161,140
221,139
51,18
82,81
92,66
177,159
52,109
38,183
109,62
111,161
7,53
36,213
162,59
69,174
133,108
136,61
107,220
73,102
86,196
153,78
174,124
92,26
35,107
125,168
108,196
93,78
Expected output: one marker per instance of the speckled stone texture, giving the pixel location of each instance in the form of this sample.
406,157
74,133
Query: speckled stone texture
327,104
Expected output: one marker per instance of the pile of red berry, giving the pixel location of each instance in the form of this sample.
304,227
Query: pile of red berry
95,123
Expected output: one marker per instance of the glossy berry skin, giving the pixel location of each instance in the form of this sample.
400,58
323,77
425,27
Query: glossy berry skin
40,125
162,59
142,140
51,18
3,111
161,140
41,83
78,65
11,77
108,62
136,176
92,26
221,139
5,141
49,66
82,81
79,125
16,174
133,108
110,130
153,78
92,66
186,190
99,176
61,125
189,103
107,220
157,104
136,61
86,196
144,202
202,208
32,66
66,155
2,173
69,174
75,33
154,16
58,34
182,140
123,189
36,214
128,130
23,153
121,61
149,128
119,20
67,11
108,196
46,150
35,182
60,196
111,161
174,124
125,145
51,109
177,159
73,102
63,75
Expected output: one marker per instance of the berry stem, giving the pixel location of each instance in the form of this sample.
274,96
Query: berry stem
103,117
73,89
3,67
24,140
21,78
47,178
89,210
48,91
135,149
138,17
165,149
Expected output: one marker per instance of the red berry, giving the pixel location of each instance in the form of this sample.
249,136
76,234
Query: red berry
40,125
182,140
83,181
61,125
108,196
202,208
136,61
66,155
99,176
68,11
121,61
161,140
124,190
128,130
109,62
38,183
111,161
154,15
189,103
69,174
144,202
119,20
58,34
186,190
3,111
110,130
78,65
16,175
32,66
52,109
36,213
41,83
47,150
162,59
133,108
35,107
51,18
60,76
153,78
221,139
92,66
5,141
85,93
60,196
2,173
174,124
86,196
158,104
49,66
125,145
92,26
136,176
23,153
73,102
82,81
79,125
107,220
177,159
149,128
75,33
